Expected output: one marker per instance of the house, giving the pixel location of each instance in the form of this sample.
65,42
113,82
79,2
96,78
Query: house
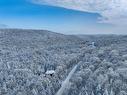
93,44
50,72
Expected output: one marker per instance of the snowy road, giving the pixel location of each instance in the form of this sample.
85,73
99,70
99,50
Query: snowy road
66,81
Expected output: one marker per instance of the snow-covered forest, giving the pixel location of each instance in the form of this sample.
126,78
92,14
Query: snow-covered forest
27,58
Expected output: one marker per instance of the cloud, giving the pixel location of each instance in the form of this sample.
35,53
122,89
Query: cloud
112,11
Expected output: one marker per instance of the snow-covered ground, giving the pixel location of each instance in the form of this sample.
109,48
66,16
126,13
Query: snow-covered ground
26,56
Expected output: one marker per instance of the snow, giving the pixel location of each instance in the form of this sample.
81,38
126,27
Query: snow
50,72
66,81
28,57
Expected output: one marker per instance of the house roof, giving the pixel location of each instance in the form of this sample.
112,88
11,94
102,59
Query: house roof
50,72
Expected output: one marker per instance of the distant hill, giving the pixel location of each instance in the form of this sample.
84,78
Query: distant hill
26,37
3,26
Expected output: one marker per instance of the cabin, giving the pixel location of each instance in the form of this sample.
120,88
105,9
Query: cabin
93,44
50,72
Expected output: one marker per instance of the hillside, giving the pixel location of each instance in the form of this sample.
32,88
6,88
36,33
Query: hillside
27,55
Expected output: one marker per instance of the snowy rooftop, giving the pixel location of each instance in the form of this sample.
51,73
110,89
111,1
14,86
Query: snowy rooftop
50,72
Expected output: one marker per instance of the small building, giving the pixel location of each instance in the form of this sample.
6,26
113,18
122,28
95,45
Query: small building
50,72
93,44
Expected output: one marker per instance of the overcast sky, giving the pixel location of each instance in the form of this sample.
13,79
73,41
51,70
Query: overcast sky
66,16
